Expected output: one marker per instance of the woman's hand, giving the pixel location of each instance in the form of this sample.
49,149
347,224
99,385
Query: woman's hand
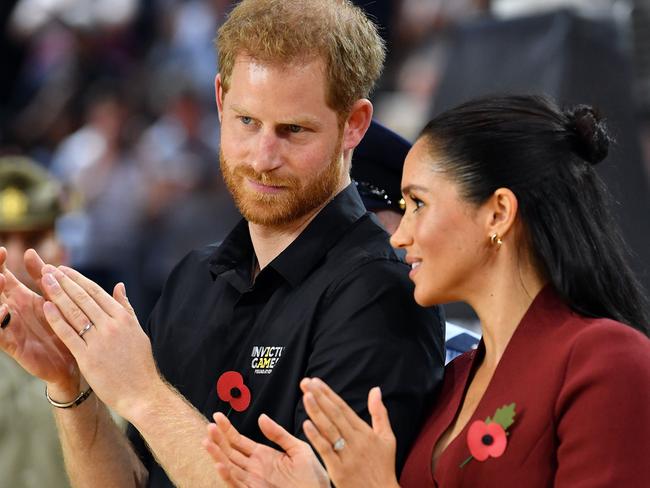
242,462
27,337
355,454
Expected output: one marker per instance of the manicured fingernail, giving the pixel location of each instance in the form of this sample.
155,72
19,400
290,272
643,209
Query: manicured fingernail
308,426
5,321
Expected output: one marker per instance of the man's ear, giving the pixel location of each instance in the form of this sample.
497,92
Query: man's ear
218,92
357,123
501,211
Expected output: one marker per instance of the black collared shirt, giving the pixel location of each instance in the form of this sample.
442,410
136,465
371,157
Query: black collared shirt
336,304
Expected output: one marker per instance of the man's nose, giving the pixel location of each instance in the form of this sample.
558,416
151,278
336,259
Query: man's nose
268,154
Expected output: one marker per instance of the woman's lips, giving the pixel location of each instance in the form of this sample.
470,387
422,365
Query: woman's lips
414,268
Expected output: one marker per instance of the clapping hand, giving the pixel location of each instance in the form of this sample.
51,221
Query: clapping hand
355,454
103,334
27,337
241,462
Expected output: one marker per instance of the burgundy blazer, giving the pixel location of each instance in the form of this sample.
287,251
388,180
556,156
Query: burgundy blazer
582,393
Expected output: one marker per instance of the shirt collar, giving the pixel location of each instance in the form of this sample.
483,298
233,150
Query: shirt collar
300,257
234,256
331,223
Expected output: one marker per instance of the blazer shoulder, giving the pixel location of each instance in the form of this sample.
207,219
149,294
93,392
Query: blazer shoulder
608,355
608,338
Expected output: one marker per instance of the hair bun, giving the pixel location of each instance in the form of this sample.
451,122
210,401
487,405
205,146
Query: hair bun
591,141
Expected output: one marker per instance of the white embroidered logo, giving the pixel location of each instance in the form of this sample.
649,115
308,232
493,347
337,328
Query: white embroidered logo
265,358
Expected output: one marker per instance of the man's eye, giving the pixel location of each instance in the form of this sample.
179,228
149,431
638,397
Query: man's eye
295,129
245,120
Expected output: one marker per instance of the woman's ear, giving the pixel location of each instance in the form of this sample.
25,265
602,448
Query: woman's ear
501,212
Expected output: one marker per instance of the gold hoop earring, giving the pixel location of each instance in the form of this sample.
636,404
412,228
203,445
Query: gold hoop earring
496,240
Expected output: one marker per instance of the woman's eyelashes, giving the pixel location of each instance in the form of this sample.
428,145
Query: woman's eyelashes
417,203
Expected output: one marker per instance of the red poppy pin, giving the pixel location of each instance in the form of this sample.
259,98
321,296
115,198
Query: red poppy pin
489,438
231,389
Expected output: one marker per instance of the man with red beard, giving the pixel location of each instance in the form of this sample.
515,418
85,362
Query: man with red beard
306,285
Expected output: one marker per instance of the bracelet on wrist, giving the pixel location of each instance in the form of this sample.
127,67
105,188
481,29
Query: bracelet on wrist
74,403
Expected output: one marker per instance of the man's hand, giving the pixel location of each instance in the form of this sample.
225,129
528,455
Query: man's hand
27,337
114,354
243,463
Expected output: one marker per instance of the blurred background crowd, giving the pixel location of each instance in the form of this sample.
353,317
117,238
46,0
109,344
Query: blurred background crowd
116,99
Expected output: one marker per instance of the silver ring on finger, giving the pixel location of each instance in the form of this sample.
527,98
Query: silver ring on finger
339,444
86,328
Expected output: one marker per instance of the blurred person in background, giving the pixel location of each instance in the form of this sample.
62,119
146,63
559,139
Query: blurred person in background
66,47
377,171
182,48
98,163
420,56
30,203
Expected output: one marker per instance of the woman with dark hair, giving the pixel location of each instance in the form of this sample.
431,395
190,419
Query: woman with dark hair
505,212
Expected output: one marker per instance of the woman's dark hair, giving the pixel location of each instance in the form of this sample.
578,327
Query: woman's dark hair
545,156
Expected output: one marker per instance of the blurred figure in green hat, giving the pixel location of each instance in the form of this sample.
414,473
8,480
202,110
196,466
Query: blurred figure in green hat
30,203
